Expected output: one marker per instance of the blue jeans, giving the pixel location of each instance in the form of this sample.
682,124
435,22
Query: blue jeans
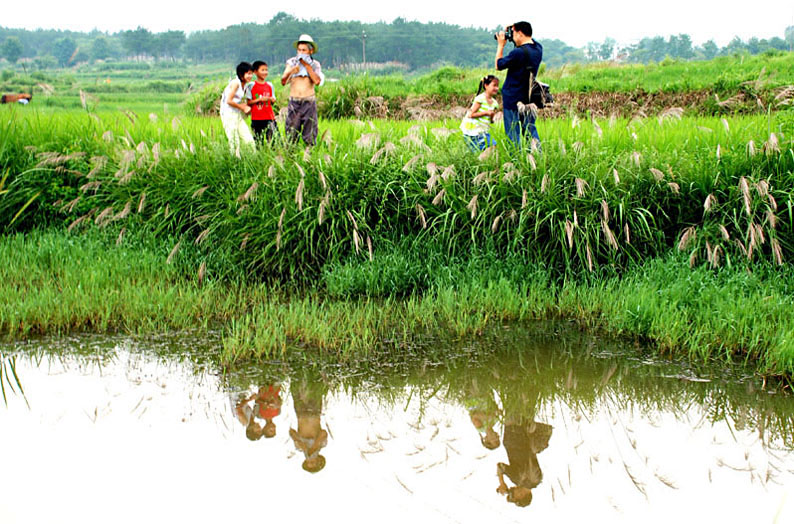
520,126
479,142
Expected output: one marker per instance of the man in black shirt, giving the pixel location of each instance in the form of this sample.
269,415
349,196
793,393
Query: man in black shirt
522,62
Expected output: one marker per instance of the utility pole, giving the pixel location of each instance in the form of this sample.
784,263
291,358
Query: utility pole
364,48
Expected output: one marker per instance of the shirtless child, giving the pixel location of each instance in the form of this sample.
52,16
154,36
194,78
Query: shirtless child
302,73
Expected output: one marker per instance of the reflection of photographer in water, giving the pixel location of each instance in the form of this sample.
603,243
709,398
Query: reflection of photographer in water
522,64
309,437
523,440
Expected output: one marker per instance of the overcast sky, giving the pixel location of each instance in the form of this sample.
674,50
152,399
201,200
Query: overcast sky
573,21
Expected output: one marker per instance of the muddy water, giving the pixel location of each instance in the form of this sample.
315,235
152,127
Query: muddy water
101,429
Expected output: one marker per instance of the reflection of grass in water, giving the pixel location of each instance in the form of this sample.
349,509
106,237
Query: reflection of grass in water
8,377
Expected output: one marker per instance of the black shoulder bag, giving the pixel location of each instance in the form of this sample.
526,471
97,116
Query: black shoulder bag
539,93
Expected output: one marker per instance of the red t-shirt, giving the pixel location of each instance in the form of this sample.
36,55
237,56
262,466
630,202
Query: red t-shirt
264,110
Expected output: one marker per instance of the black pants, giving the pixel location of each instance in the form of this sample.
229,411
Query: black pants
266,127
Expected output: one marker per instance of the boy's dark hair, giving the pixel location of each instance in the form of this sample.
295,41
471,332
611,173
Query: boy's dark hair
256,65
243,68
484,82
524,27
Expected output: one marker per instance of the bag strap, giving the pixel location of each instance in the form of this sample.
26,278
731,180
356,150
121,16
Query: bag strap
532,80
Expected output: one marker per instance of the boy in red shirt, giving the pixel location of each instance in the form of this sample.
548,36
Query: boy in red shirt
260,97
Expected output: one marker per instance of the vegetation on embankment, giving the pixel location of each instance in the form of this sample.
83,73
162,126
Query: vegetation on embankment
56,282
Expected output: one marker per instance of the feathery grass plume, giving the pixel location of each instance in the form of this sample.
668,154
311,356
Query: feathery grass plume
167,211
383,152
278,159
98,164
532,164
512,216
300,170
242,209
245,197
605,210
202,236
480,178
307,154
323,181
524,198
495,224
762,186
472,206
657,174
90,185
107,136
356,241
744,188
71,205
577,147
719,151
271,172
589,257
693,258
414,140
569,233
759,233
777,252
487,153
326,137
409,166
710,202
674,187
202,271
439,197
327,159
124,213
175,123
581,185
104,217
561,144
432,181
671,113
724,232
173,252
244,242
615,176
77,222
126,178
575,219
772,145
299,194
609,235
772,201
142,148
368,141
321,208
627,233
726,125
771,218
156,152
441,133
688,235
432,168
598,129
544,183
120,238
83,101
369,249
356,122
200,191
705,129
142,203
509,176
575,122
280,230
152,118
636,158
415,130
534,146
422,216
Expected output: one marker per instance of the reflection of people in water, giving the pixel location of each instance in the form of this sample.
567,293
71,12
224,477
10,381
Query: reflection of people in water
309,437
268,407
523,439
484,414
245,414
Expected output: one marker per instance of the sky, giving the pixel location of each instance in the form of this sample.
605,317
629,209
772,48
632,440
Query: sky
574,21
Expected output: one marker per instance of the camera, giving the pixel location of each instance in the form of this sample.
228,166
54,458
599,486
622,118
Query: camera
508,34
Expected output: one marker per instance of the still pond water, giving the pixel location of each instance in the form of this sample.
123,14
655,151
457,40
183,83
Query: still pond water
530,424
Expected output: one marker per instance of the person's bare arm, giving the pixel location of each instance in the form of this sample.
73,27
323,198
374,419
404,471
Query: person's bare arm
288,72
500,47
476,113
500,472
230,100
314,76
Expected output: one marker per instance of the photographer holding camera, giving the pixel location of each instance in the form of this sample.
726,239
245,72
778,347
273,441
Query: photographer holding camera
522,66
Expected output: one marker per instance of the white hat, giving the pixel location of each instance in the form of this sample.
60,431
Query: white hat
304,38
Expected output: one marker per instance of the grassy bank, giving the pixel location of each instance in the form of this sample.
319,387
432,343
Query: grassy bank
55,282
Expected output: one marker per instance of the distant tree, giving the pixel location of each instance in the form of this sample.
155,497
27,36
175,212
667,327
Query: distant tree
592,51
100,48
64,49
778,43
607,49
680,47
734,46
789,36
709,50
137,42
12,49
171,42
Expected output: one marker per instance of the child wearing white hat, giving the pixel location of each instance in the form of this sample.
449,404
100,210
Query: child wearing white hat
302,73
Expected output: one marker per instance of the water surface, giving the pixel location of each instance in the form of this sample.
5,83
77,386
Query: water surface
132,430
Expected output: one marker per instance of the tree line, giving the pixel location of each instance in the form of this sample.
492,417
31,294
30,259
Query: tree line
417,45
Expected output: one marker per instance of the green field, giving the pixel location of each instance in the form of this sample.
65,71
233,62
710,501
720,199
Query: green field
675,230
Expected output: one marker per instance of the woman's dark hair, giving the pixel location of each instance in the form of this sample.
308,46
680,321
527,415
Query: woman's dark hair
243,68
485,81
524,27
